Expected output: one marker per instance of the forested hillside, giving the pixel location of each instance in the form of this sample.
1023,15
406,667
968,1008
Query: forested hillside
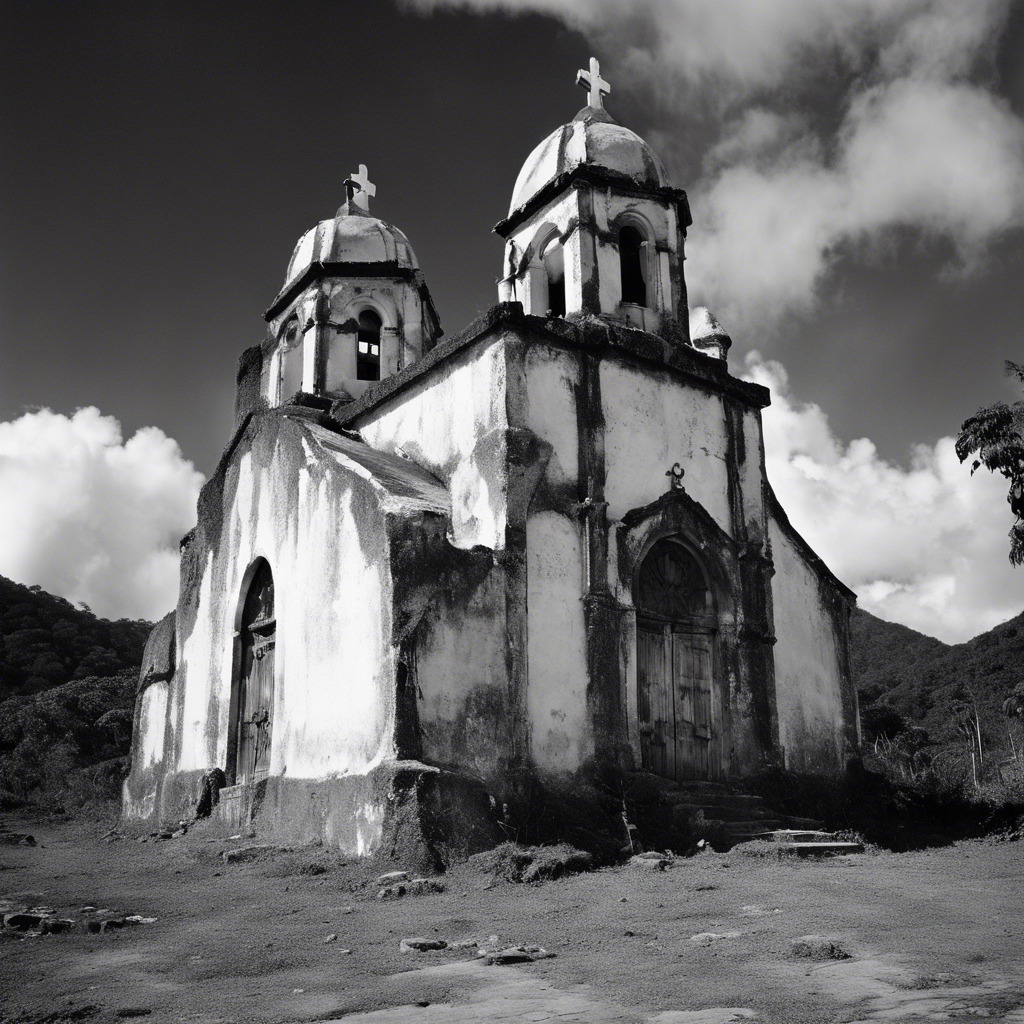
883,652
46,641
921,678
67,692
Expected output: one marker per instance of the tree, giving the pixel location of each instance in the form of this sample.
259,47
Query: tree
1013,707
964,710
882,720
994,437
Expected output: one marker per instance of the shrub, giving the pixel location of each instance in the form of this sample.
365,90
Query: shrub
67,747
515,863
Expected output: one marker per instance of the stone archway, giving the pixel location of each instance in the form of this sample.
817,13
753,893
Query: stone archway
678,704
744,724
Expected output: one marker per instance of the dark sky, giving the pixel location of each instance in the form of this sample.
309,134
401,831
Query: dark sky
159,161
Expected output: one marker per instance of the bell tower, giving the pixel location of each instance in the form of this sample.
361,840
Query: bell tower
595,227
354,309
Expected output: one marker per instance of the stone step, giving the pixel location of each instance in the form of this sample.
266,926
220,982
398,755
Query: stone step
808,842
800,835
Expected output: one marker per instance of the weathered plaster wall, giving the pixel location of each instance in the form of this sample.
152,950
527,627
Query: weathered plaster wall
808,674
614,427
141,789
152,724
651,422
453,424
560,729
314,505
150,721
552,378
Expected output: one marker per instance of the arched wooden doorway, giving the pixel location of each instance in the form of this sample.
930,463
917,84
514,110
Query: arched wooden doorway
676,624
255,703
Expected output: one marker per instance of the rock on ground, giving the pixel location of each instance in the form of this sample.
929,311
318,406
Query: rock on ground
414,887
419,945
818,947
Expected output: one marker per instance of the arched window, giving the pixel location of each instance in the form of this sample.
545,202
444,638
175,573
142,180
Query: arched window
671,584
291,362
368,346
631,262
553,258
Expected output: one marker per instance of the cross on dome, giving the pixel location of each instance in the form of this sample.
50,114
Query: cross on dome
359,190
595,85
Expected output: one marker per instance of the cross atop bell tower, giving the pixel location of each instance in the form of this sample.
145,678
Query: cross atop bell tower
359,190
595,85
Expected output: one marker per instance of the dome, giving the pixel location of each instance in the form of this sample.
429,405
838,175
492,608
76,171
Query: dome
707,334
591,138
351,238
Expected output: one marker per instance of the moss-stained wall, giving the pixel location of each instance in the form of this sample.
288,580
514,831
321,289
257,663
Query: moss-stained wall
461,677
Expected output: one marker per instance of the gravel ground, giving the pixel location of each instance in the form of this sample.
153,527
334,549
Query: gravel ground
930,935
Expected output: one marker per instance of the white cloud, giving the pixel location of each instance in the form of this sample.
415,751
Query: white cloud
946,159
92,517
750,43
747,45
832,122
926,546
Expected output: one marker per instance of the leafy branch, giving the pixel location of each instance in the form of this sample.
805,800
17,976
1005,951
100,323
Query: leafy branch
994,438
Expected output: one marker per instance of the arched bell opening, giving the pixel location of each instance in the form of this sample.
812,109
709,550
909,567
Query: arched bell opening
679,706
368,345
289,362
250,731
552,256
633,265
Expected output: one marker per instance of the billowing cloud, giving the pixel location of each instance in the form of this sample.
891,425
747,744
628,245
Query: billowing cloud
926,545
944,159
832,123
92,517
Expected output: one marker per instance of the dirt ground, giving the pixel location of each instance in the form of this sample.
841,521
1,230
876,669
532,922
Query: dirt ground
935,935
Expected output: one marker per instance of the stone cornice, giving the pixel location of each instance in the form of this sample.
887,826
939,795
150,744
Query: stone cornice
599,177
583,333
319,269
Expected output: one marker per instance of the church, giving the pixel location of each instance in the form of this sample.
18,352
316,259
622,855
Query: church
429,571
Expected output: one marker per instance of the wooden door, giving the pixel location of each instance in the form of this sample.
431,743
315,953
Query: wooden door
675,665
256,684
691,681
657,716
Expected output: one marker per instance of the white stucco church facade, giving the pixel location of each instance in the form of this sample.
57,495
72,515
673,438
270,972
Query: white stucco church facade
430,574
